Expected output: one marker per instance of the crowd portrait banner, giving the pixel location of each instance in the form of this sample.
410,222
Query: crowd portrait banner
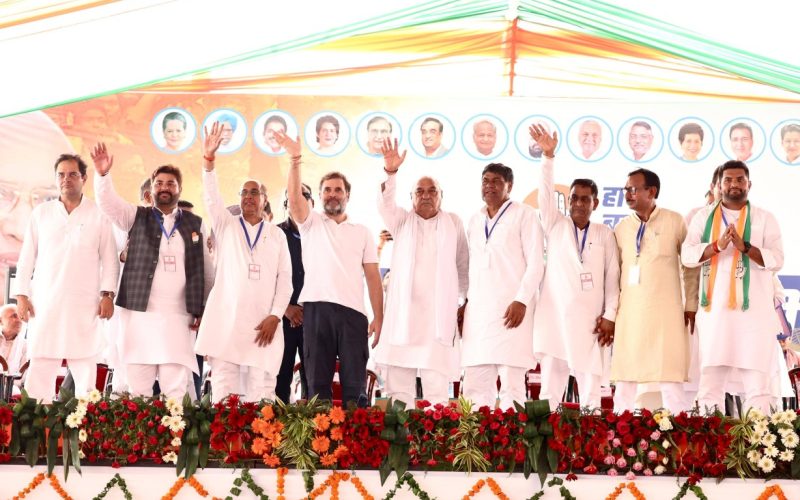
451,140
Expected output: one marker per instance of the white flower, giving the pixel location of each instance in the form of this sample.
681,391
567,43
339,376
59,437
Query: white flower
83,401
785,431
174,407
790,440
756,414
82,436
769,439
753,456
761,427
665,444
73,421
81,454
771,451
170,457
80,411
94,396
786,456
766,464
791,416
176,441
665,460
665,424
659,470
176,424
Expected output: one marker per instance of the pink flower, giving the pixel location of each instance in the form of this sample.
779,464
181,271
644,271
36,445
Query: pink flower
638,466
608,460
630,476
621,463
648,472
655,435
630,452
610,435
612,472
616,442
652,456
642,445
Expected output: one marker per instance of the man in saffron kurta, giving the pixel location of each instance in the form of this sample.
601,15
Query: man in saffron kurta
429,278
575,315
739,247
251,290
505,269
66,277
651,339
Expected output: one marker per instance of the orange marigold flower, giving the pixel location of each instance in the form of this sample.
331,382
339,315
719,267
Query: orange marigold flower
340,450
320,444
260,446
261,426
272,460
336,414
276,438
322,422
327,459
267,412
336,433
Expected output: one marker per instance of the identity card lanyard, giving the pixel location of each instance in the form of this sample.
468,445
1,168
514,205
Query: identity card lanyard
251,245
583,243
486,223
639,236
724,219
161,223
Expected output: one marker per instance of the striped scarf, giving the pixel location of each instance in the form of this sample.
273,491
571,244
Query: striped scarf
739,289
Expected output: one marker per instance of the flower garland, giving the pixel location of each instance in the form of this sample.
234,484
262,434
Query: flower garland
247,479
180,482
630,487
563,490
407,480
478,486
35,482
115,481
694,488
771,491
333,482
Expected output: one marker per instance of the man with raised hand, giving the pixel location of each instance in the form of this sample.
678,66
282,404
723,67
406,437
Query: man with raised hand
578,305
66,277
252,286
739,247
428,282
505,269
338,256
165,280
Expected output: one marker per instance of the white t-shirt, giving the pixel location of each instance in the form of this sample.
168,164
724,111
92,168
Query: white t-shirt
333,258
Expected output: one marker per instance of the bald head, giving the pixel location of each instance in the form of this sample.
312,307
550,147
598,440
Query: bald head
427,197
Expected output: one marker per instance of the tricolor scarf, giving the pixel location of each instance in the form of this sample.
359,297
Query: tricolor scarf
739,289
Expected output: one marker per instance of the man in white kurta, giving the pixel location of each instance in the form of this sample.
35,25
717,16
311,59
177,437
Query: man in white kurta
13,346
252,287
737,318
66,276
505,269
157,342
428,281
580,289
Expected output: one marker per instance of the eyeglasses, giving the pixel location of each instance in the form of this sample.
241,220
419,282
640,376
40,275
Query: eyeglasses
252,192
71,175
633,189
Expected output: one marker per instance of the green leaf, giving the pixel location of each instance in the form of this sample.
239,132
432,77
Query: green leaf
552,459
796,466
76,455
385,470
191,461
203,459
181,462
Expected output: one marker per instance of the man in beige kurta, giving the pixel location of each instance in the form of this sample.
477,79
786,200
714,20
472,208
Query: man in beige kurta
651,338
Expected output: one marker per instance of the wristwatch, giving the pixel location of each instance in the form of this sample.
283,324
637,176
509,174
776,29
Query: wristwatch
107,294
747,247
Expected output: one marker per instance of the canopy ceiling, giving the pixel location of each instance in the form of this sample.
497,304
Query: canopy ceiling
59,52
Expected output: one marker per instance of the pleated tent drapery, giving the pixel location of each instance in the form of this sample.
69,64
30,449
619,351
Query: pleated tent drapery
571,49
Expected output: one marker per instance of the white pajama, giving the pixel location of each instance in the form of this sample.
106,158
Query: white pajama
42,373
555,376
225,379
173,379
480,385
673,396
713,382
401,385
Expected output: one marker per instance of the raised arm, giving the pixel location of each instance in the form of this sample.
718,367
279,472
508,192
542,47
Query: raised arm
298,207
119,211
391,214
215,205
547,204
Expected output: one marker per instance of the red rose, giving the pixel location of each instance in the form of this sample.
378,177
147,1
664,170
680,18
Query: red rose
115,464
103,405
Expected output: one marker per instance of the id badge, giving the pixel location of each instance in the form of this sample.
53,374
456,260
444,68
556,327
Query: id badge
170,265
633,275
254,272
586,282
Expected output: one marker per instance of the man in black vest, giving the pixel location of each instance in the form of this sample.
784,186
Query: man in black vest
164,283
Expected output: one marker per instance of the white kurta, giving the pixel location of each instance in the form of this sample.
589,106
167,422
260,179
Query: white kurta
237,303
574,293
72,258
161,334
15,352
505,268
430,273
732,337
